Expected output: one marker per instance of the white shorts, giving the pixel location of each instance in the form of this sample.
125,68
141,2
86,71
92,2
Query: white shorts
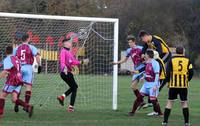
11,89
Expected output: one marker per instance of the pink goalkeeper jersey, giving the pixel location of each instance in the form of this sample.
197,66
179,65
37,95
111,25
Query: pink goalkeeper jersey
13,67
67,59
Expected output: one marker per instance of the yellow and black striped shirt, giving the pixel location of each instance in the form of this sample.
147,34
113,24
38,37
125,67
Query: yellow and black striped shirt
179,72
162,69
158,44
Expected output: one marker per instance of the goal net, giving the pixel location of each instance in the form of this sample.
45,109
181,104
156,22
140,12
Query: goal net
93,38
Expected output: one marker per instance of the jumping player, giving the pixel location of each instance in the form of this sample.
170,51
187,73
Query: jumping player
26,53
135,53
12,70
156,43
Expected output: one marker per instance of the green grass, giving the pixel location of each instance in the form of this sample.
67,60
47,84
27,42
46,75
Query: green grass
93,105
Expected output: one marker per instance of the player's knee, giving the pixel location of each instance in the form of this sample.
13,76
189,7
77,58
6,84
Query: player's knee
74,87
14,100
134,86
28,87
169,104
184,104
140,98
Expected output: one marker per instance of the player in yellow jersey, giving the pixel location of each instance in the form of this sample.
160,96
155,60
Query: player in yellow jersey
156,43
179,73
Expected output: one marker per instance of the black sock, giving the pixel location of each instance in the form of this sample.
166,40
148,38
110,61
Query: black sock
166,115
149,101
186,115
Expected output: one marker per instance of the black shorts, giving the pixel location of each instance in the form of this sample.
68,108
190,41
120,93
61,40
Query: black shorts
174,92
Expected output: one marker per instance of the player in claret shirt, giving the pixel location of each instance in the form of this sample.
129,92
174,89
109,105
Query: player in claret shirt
26,53
12,70
135,52
151,84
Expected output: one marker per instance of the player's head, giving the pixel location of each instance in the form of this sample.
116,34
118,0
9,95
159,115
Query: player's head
9,50
144,36
67,43
25,38
180,50
149,54
131,40
156,54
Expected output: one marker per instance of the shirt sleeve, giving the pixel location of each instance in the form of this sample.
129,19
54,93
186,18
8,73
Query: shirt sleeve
34,50
15,51
190,71
156,68
168,70
62,59
144,48
7,64
128,52
74,61
158,47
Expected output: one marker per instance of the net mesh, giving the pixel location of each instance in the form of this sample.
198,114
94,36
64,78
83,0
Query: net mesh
95,43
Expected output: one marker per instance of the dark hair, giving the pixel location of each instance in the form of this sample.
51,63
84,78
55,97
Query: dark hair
130,37
150,53
9,50
179,50
143,33
65,40
25,37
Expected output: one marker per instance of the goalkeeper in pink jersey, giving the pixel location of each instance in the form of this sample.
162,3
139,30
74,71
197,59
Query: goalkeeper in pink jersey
13,74
135,53
67,62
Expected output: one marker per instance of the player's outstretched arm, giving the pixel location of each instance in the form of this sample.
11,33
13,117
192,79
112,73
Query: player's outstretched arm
123,60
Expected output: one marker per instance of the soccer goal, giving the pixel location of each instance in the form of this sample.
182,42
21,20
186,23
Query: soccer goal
93,38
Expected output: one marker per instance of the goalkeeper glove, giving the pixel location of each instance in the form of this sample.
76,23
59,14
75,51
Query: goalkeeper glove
85,61
39,69
65,70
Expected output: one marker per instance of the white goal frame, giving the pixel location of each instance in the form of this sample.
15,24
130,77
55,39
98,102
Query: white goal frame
94,19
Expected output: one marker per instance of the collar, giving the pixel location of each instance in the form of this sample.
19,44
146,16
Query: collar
66,48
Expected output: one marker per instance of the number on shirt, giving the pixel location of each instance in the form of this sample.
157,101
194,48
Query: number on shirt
23,54
180,65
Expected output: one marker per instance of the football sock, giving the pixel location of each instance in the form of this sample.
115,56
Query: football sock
21,103
137,103
2,103
136,92
149,101
186,115
156,106
27,96
166,115
18,96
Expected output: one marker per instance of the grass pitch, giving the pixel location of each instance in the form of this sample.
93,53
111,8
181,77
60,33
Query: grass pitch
93,104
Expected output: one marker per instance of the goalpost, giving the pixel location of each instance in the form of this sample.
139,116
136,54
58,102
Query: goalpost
95,39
